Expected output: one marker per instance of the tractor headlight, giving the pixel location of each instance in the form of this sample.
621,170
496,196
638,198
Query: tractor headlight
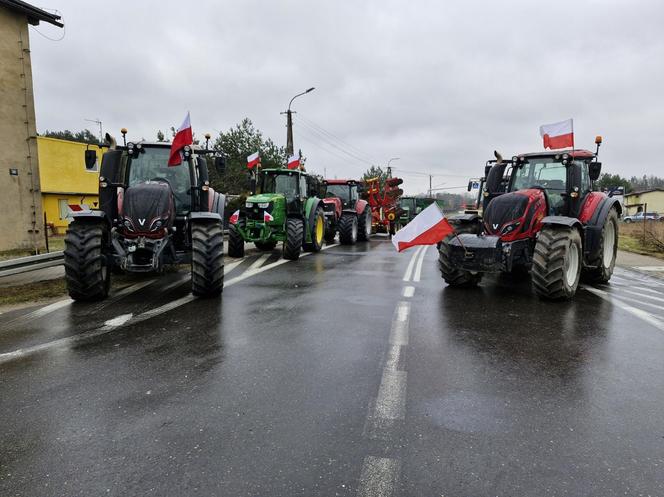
264,205
156,225
128,224
249,205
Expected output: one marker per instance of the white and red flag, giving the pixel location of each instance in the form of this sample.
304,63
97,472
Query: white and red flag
235,217
558,135
253,160
183,137
428,227
267,217
293,162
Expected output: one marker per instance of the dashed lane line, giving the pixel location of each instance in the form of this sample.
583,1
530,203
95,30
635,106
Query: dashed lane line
408,291
379,477
259,262
116,323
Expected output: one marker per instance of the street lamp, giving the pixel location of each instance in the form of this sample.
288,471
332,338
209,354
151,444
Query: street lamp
289,122
389,171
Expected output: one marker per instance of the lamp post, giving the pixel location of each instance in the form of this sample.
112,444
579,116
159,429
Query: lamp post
389,171
289,122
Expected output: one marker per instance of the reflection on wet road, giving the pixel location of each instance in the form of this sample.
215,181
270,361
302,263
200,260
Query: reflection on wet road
354,371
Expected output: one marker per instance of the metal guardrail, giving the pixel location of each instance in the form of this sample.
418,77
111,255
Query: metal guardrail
31,263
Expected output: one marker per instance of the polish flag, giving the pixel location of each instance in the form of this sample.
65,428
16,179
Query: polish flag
428,227
293,162
253,160
267,217
182,138
235,217
558,135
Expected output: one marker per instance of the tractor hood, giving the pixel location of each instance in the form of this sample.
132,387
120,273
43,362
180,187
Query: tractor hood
265,197
515,215
148,209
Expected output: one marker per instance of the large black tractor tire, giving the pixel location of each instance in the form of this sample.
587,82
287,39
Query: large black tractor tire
317,232
452,275
330,233
265,246
557,262
86,268
608,248
348,229
294,238
364,225
235,241
207,259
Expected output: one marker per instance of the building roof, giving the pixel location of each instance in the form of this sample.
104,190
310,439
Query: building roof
33,13
641,192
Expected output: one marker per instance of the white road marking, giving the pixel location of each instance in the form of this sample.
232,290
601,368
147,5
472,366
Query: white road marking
393,358
107,328
399,331
408,291
229,266
657,307
391,400
411,264
418,270
379,477
118,321
259,262
650,268
643,295
640,313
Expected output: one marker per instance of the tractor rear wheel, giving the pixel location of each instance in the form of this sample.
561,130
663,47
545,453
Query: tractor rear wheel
235,240
608,248
86,269
348,229
294,238
330,233
317,232
265,246
207,259
364,225
557,262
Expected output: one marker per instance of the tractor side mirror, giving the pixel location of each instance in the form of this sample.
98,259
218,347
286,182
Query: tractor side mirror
470,185
220,164
594,169
90,159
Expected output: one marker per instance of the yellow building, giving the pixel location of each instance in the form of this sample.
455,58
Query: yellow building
65,180
645,200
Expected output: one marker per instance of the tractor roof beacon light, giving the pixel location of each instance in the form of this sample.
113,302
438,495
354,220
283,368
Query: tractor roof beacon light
124,136
598,142
207,141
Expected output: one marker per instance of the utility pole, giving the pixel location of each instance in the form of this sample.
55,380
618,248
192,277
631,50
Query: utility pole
101,134
430,176
289,122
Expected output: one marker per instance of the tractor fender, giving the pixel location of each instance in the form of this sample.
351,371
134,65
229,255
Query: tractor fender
464,218
91,216
205,217
350,211
360,206
217,202
570,222
595,225
309,215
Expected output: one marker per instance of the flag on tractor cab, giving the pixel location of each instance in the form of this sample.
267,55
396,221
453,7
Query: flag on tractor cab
182,138
428,227
235,217
558,135
253,160
293,162
267,217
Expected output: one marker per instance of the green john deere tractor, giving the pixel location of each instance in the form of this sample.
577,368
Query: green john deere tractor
285,209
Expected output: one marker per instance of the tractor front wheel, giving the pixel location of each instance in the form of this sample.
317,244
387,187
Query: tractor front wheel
235,241
86,269
207,259
348,229
608,248
317,232
294,238
452,275
364,225
557,262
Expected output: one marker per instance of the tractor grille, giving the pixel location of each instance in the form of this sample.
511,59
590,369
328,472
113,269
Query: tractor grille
256,213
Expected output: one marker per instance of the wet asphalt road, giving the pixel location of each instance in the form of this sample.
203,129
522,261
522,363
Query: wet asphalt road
333,375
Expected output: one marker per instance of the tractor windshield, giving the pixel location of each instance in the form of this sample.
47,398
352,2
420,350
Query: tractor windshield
341,191
284,183
153,165
547,173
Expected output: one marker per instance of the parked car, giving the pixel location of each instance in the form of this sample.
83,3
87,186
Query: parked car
649,216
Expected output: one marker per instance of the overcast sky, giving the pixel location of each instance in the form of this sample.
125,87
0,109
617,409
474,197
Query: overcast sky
439,84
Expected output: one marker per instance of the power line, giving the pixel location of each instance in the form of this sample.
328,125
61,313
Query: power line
322,138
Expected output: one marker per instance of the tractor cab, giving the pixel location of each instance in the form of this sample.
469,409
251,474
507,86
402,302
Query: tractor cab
276,189
345,190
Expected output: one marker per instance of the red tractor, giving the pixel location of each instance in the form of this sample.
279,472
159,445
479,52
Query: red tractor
540,215
384,203
345,212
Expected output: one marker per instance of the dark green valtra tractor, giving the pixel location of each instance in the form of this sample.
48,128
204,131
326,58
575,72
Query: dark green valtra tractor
285,208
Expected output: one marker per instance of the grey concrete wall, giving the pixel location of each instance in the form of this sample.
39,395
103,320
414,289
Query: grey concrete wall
21,224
